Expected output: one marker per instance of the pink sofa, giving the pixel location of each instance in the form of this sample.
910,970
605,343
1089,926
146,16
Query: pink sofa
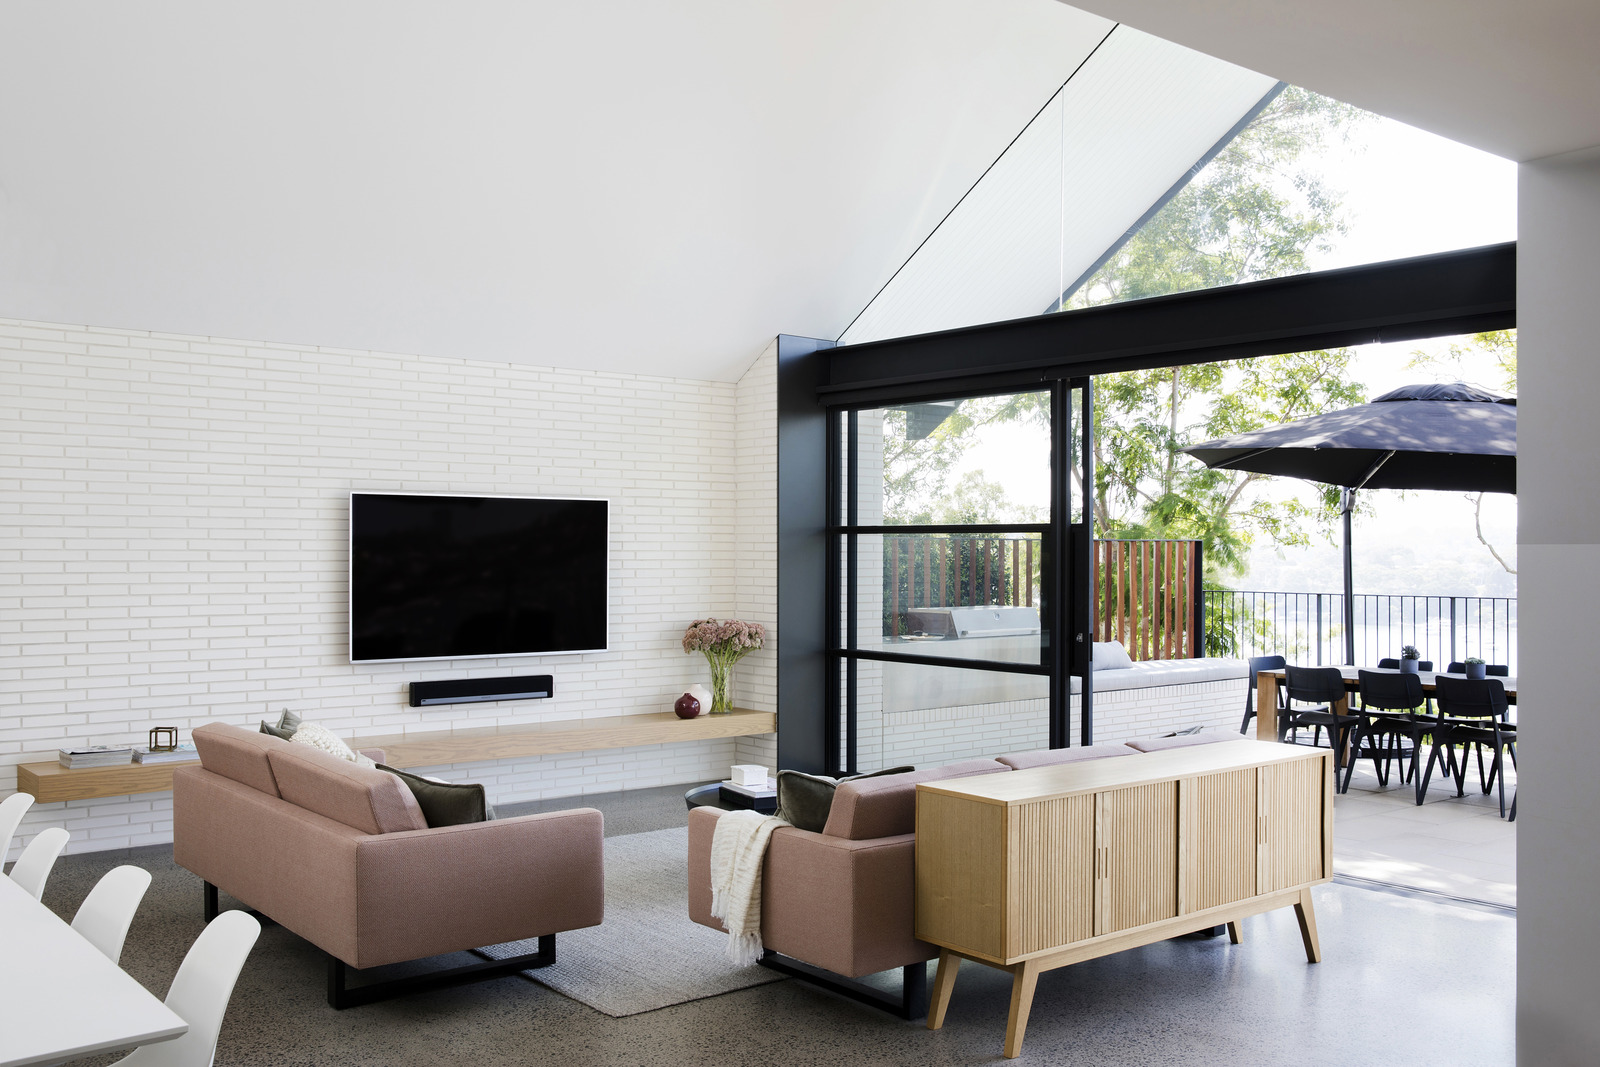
341,855
839,903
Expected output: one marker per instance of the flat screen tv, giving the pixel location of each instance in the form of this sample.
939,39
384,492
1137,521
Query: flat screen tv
463,577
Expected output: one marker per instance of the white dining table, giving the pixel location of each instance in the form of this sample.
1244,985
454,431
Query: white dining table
60,997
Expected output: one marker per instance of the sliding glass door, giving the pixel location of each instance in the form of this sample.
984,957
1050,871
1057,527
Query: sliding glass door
948,564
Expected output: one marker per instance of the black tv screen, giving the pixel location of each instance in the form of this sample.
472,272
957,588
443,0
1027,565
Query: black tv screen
456,577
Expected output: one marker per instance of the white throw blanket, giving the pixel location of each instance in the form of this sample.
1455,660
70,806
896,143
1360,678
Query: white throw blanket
738,848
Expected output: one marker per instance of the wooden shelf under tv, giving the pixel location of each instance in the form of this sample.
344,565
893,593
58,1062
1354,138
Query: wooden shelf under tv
49,782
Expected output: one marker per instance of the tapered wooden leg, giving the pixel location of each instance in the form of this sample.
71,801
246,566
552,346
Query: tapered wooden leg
1308,926
1235,935
1025,976
944,981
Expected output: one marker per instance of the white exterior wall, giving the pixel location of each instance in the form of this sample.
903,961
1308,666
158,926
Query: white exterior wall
1558,436
174,544
934,736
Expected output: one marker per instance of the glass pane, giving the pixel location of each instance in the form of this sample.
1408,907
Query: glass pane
1131,122
1075,456
972,596
1311,184
975,460
909,713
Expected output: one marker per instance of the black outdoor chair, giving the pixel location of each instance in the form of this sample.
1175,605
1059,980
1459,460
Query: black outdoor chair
1316,685
1391,712
1257,665
1472,715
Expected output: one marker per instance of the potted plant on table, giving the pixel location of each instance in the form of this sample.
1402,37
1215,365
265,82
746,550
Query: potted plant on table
1409,659
1476,669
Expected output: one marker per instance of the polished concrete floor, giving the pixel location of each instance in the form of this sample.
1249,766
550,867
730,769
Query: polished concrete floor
1405,978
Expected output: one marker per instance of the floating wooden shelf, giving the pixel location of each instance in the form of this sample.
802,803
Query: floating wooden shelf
426,748
49,782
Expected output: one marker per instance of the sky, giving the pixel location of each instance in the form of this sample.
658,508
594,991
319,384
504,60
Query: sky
1406,192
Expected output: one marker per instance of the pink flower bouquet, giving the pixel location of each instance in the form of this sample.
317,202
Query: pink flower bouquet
724,643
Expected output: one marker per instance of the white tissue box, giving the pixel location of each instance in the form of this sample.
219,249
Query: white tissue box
748,774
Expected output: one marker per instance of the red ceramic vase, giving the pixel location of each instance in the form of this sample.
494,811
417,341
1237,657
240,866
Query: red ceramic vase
687,707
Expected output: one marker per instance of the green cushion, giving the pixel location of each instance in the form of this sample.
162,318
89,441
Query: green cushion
804,800
445,803
287,724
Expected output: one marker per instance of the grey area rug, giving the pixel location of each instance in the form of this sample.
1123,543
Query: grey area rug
647,954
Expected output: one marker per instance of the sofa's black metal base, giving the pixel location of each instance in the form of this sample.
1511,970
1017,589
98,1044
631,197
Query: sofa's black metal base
212,910
341,996
912,1003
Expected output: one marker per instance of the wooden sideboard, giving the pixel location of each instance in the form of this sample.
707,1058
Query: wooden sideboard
49,782
1038,869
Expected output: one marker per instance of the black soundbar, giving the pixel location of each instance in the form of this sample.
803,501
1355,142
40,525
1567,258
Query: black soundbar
473,690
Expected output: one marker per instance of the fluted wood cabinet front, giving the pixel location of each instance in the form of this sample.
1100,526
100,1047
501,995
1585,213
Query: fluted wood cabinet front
1043,868
1019,864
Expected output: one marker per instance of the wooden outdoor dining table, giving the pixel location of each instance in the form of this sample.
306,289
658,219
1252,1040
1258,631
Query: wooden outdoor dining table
1267,683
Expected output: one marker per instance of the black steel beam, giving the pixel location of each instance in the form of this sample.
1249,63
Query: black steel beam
803,596
1427,296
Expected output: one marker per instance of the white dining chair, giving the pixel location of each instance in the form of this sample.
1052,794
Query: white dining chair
200,992
12,809
106,913
33,867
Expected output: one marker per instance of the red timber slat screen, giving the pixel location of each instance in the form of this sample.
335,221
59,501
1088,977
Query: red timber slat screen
1148,595
955,571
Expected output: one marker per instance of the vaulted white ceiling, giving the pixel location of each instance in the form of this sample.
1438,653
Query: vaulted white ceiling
1520,80
622,184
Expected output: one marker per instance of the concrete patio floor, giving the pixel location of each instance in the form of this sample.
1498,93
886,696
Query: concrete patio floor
1455,846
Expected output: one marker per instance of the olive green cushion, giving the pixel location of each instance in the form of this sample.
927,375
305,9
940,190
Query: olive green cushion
287,724
445,803
804,800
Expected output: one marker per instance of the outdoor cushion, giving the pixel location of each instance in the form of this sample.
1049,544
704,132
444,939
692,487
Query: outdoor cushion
1111,656
1150,673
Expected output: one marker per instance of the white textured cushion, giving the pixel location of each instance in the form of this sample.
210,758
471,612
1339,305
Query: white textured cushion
1153,673
1111,656
320,737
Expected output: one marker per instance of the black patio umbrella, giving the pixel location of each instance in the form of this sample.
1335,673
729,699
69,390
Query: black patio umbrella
1452,437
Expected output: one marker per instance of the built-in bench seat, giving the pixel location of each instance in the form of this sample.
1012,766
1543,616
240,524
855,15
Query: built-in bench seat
1151,673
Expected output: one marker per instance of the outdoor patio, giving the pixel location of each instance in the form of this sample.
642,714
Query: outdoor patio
1454,846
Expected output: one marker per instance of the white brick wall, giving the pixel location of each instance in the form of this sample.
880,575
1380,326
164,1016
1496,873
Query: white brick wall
173,542
1124,714
755,524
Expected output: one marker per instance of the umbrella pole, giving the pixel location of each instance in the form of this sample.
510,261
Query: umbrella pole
1347,501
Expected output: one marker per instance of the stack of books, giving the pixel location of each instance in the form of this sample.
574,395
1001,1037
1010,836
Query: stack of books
94,756
762,798
181,754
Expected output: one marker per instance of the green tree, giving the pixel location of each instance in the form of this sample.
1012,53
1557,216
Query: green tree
1500,346
917,470
1254,212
